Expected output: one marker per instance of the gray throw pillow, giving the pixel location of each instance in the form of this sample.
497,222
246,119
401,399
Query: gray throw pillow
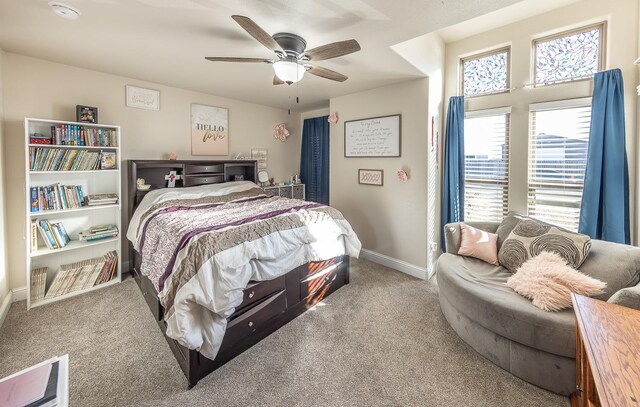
529,238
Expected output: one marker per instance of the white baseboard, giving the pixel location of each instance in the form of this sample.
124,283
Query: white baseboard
19,294
400,265
4,307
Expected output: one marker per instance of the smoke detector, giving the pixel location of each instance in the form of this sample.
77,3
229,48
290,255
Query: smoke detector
65,11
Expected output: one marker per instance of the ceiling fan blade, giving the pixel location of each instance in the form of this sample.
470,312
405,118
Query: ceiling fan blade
238,59
277,81
325,73
333,50
258,33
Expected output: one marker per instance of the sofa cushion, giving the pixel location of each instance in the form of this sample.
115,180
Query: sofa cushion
616,264
478,244
477,289
530,238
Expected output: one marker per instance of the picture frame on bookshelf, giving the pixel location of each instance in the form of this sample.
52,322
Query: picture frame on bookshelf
86,114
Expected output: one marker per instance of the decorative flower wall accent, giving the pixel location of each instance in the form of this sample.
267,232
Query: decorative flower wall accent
402,176
173,156
333,118
280,132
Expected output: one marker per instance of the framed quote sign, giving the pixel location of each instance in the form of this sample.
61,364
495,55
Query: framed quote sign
375,137
371,177
209,130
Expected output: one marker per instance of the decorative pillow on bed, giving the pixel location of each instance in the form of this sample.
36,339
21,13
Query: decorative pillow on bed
530,238
548,282
478,244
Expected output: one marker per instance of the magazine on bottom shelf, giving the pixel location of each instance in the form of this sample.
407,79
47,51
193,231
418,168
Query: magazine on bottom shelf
38,283
83,274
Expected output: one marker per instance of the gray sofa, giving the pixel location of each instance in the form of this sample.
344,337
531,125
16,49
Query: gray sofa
535,345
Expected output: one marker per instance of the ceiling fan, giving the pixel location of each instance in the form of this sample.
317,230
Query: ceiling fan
292,57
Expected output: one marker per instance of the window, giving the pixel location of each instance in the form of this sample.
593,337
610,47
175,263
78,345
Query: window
486,73
486,164
558,145
569,56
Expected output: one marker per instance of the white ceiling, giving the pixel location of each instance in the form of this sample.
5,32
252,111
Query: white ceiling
165,41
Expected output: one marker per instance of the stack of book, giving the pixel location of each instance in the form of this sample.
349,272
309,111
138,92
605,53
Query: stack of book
76,135
38,283
101,199
54,234
56,197
43,385
38,138
58,159
83,274
98,233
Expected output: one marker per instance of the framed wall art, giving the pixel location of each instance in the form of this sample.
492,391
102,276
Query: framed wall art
374,137
260,154
371,177
209,130
142,98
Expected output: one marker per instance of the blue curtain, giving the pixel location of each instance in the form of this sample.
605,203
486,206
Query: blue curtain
453,167
604,213
314,159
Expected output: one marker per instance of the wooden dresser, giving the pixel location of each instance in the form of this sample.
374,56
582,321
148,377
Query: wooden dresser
607,354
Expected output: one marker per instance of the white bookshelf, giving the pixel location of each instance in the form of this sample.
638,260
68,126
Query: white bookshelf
75,220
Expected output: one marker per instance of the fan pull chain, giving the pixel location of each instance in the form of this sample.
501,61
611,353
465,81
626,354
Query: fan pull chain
289,105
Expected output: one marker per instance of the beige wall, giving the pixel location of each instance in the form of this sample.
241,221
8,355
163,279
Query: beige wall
392,219
621,51
42,89
4,277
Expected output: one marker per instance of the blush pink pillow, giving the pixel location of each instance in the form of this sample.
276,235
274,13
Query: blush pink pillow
548,281
479,244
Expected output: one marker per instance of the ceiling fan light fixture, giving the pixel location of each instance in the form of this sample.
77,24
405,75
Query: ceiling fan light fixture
289,71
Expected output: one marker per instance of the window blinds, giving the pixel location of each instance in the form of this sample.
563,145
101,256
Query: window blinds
486,149
558,146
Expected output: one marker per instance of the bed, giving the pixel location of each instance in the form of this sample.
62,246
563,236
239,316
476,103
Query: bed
221,264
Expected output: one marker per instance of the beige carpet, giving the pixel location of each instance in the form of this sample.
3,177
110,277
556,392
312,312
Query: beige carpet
380,341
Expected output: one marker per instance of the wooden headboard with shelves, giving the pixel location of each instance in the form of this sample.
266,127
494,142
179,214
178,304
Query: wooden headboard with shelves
191,172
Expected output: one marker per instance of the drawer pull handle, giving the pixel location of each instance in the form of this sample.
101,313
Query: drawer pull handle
250,323
251,294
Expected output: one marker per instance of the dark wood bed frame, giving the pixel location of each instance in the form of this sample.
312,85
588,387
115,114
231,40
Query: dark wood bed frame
267,305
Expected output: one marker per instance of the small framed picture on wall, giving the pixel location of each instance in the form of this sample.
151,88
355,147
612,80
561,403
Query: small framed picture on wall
371,177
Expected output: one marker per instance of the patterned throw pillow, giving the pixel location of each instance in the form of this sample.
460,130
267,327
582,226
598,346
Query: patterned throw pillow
530,238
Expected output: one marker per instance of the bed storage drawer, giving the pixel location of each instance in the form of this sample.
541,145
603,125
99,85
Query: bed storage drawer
193,180
203,169
257,290
254,318
314,288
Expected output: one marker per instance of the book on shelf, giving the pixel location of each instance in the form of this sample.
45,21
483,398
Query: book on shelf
98,233
101,199
59,159
33,235
56,197
38,138
38,283
78,135
54,234
83,274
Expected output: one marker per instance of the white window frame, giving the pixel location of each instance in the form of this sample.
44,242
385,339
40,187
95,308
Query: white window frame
601,52
500,111
546,106
500,50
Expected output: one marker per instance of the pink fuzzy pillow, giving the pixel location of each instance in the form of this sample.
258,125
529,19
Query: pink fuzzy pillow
548,282
479,244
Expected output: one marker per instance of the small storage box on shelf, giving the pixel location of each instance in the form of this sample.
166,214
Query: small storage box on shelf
64,163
